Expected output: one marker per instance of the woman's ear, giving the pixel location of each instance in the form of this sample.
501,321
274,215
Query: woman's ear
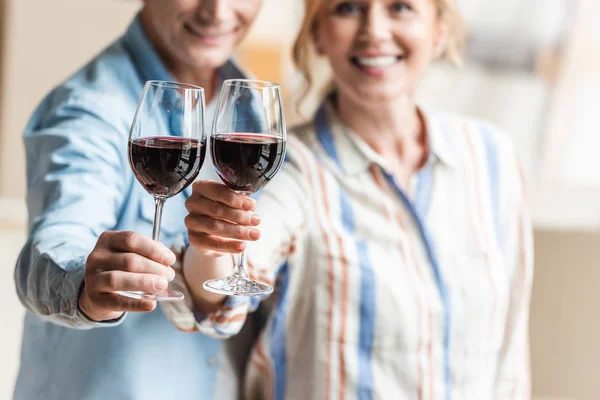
441,39
316,39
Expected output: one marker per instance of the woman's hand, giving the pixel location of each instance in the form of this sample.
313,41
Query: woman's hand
220,219
219,222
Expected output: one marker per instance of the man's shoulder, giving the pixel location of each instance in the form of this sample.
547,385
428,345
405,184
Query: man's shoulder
108,86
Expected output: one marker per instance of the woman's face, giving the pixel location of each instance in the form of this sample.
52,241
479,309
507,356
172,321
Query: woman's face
378,49
199,33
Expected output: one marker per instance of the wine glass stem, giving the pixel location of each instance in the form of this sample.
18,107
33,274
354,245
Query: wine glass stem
158,208
239,270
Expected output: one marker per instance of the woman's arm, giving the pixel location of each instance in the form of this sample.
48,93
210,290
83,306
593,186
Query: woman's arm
283,208
219,223
513,379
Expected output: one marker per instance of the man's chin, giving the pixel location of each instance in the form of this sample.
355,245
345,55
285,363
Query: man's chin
207,59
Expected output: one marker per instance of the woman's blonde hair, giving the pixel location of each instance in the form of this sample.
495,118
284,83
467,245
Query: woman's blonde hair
302,52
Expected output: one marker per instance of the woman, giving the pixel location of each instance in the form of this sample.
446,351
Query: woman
87,212
396,235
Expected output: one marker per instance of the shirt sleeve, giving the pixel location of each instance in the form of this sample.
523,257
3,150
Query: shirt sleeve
513,379
75,184
283,207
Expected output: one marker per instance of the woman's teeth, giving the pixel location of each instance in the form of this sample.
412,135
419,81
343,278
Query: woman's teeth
377,62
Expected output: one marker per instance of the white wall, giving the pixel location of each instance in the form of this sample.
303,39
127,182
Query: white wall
46,41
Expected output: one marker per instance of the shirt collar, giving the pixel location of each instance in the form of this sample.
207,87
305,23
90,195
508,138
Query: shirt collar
149,65
144,56
354,155
437,126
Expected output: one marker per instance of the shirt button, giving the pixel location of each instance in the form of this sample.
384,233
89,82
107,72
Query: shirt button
212,361
68,306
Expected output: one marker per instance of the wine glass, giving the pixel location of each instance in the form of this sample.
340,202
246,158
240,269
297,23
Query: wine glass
247,148
167,145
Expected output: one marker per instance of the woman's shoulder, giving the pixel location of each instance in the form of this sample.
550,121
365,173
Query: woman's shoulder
302,129
300,147
300,138
467,134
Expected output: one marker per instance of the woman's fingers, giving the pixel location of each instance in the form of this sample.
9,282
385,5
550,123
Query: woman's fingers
215,244
220,219
221,228
202,206
222,194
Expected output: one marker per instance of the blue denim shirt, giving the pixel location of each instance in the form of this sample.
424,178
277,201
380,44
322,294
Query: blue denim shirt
79,184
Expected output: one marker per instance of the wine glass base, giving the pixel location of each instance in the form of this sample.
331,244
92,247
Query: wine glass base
238,286
165,295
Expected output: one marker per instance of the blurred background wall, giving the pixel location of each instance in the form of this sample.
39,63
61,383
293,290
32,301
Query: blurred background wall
533,68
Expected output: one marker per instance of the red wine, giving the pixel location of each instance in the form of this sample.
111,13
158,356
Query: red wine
247,161
166,165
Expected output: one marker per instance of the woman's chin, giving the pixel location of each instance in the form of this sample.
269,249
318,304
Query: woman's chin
377,94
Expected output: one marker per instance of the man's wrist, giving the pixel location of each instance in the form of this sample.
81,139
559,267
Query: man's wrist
85,307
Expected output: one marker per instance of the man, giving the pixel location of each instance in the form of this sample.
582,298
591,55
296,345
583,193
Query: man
85,206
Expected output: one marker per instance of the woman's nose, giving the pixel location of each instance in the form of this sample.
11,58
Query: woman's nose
376,23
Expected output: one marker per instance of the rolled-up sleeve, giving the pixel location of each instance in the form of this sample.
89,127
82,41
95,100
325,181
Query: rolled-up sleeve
222,324
76,183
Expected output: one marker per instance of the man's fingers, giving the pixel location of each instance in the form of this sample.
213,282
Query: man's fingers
130,262
112,281
117,302
133,242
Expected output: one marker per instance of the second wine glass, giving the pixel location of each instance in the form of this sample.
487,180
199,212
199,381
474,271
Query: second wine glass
247,148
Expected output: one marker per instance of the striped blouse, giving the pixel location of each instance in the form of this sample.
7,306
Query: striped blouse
383,293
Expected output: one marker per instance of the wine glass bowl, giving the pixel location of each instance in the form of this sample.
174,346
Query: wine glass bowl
166,165
246,162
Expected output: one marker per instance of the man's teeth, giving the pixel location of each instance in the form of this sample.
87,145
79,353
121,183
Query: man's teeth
384,61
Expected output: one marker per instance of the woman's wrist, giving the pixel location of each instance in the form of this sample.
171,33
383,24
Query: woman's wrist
198,268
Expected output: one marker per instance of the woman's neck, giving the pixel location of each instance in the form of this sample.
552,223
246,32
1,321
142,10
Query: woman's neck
394,129
383,124
203,77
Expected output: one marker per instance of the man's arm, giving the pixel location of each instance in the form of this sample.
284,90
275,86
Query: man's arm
76,181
